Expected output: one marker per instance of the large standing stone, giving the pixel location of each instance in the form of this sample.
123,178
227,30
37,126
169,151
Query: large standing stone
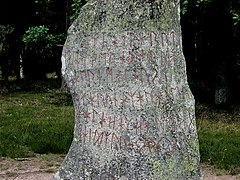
134,111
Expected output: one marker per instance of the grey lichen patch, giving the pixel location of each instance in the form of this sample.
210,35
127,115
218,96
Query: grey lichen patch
100,16
134,111
182,167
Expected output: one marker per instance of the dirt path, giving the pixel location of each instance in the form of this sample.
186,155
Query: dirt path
42,167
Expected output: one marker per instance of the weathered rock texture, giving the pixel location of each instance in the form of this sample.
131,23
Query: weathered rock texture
134,111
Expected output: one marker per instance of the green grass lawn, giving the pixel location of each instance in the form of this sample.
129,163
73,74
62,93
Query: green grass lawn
219,137
42,122
35,122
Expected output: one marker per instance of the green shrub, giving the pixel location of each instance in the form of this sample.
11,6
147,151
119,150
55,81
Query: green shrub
41,54
39,39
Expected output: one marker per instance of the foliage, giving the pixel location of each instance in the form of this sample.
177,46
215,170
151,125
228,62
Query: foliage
76,7
5,32
236,17
235,11
204,3
40,40
6,38
184,6
198,3
42,53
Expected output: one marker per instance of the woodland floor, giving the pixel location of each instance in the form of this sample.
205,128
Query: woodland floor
42,167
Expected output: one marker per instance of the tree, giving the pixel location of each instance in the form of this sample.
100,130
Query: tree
6,33
19,21
208,45
40,52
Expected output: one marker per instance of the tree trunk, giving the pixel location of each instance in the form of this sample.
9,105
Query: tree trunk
217,59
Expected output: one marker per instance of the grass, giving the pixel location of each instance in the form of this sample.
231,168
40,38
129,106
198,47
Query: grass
35,123
219,137
42,122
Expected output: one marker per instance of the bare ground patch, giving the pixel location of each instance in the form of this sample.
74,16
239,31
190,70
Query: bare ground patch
42,167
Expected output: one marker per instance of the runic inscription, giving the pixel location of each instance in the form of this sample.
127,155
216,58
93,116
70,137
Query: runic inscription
121,117
134,111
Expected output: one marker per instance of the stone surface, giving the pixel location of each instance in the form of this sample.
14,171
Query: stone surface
134,111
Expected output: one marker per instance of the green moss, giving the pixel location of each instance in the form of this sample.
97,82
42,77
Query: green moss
171,164
188,165
157,169
190,162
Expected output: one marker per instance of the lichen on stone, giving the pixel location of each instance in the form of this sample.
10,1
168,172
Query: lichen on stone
134,111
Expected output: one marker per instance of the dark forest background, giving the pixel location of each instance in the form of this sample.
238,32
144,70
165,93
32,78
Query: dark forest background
32,33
